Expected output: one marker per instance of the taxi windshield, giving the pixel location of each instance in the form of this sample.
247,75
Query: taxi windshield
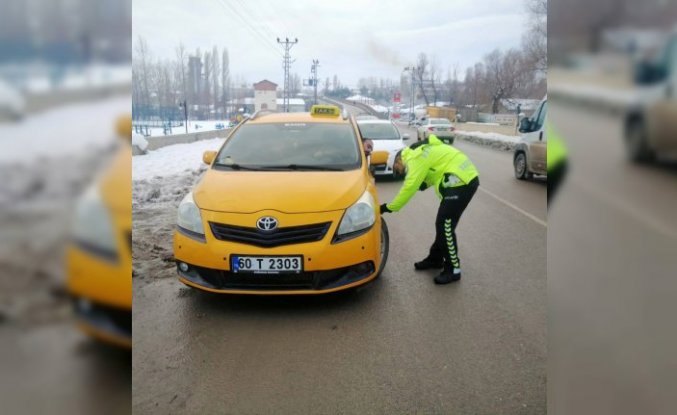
293,146
375,131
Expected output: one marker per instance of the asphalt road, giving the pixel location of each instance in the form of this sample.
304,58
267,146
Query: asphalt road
399,345
611,267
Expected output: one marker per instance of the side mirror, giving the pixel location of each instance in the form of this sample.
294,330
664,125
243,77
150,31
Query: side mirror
379,157
208,157
406,137
123,127
525,125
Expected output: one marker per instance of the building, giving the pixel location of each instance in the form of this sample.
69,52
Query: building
295,104
265,95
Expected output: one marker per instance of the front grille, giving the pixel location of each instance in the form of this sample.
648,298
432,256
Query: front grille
110,319
308,280
268,239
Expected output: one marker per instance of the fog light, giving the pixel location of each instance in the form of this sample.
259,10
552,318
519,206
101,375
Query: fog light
183,267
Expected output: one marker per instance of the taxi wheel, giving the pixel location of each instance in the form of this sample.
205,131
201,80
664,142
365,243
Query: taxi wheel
385,246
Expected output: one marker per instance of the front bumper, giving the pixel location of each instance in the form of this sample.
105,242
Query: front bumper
311,282
328,264
105,323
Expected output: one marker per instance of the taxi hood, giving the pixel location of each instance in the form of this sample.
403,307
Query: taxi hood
286,191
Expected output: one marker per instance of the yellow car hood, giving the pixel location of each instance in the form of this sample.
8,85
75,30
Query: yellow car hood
287,192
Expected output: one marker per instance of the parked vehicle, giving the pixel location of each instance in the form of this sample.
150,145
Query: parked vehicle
530,153
651,121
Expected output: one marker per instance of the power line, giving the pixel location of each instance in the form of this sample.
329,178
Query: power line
252,29
254,17
287,64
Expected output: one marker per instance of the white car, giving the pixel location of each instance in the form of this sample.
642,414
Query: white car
386,137
441,127
12,103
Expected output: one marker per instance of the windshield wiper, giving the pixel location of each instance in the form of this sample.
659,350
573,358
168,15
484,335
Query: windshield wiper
236,166
303,167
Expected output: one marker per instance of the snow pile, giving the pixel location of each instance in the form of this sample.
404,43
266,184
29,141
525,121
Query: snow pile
71,130
619,99
139,141
172,160
379,108
493,140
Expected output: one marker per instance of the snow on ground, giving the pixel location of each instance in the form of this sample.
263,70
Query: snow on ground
491,136
193,127
172,160
606,96
65,131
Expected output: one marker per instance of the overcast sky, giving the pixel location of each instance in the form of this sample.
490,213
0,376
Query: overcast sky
351,38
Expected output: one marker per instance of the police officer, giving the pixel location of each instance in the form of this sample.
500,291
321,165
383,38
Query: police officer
556,159
431,163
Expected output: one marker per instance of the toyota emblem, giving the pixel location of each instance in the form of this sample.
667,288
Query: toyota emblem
266,223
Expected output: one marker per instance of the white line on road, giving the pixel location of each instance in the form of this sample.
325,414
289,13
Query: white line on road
625,206
522,211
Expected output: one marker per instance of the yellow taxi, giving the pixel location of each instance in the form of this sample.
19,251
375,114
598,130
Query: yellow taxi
287,206
99,256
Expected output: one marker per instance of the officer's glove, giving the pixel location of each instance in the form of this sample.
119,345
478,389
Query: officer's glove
422,187
384,209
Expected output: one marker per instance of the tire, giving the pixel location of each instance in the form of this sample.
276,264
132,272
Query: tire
385,246
520,166
636,145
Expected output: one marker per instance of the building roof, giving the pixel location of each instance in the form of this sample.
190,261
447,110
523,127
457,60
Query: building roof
292,101
265,85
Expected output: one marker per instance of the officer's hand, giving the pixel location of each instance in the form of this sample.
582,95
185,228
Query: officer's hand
422,187
384,209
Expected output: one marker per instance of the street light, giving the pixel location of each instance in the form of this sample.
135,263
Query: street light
411,70
182,104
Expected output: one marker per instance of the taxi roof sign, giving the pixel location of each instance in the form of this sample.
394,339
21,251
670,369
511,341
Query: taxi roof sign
325,110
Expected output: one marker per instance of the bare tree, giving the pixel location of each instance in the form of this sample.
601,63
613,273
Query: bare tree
142,60
535,41
207,70
225,78
181,58
216,70
421,73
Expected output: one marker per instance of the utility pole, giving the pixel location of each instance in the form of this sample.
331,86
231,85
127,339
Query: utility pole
287,64
313,69
412,70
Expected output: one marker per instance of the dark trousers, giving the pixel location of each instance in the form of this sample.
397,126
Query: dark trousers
454,202
555,178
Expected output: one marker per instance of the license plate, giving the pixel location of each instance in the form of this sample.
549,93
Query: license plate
442,129
266,264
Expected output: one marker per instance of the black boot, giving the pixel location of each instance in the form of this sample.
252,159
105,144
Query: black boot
429,263
448,275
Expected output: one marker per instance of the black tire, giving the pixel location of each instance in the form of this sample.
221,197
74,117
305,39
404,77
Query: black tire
385,246
636,143
520,166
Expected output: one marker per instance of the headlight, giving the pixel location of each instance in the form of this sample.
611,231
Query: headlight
189,215
359,216
93,227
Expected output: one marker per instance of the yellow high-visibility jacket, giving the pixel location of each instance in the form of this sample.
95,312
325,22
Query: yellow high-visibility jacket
429,163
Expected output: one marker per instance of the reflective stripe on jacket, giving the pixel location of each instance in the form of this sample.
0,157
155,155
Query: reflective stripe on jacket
429,163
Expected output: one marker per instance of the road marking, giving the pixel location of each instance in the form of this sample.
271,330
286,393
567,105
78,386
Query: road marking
625,207
522,211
